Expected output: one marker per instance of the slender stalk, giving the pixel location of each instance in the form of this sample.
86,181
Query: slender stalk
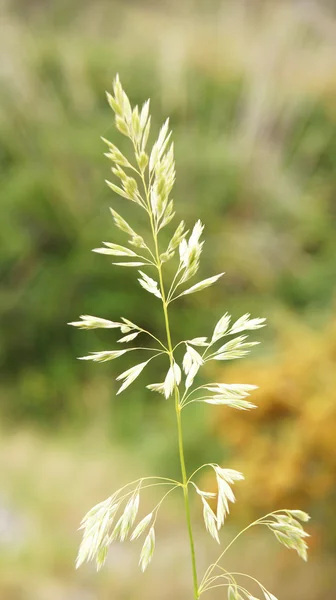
181,449
186,502
215,564
177,398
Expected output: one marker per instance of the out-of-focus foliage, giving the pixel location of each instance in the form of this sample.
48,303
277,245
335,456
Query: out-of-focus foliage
286,447
51,480
253,113
250,88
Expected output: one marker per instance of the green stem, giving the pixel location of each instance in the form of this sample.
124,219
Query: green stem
215,564
177,397
186,501
180,439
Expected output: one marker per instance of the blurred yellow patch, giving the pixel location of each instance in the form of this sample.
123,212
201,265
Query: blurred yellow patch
286,448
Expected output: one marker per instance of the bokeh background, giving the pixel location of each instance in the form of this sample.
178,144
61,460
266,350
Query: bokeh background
250,88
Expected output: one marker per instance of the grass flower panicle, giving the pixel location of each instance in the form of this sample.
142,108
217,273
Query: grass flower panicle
147,180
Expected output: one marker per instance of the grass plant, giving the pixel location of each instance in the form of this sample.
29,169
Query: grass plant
147,180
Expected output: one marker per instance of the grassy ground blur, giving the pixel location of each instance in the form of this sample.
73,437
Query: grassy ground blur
250,88
50,482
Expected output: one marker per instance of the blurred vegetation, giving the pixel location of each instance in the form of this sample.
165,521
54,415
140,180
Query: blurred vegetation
51,481
256,157
250,89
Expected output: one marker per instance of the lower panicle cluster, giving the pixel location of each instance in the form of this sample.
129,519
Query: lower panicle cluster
101,525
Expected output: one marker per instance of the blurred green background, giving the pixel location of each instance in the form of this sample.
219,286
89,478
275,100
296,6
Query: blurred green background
250,88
